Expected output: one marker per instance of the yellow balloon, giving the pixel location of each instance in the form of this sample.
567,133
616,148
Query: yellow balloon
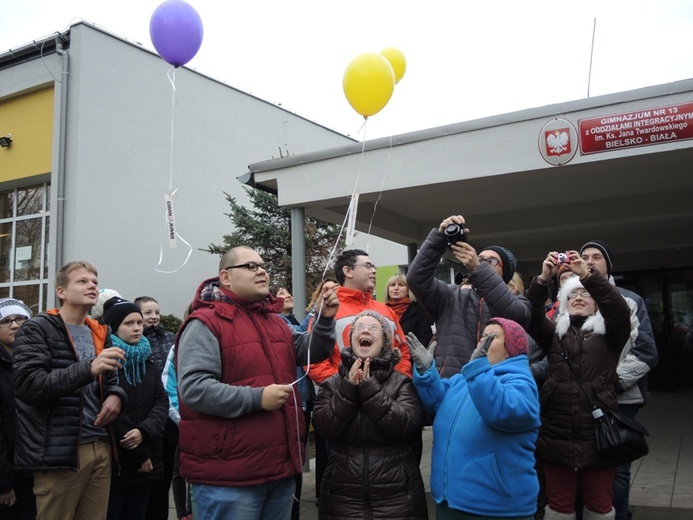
397,61
368,83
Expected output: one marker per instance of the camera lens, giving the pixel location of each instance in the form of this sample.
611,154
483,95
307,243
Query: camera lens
454,233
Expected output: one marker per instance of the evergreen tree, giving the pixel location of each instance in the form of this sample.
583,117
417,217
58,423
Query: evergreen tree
267,228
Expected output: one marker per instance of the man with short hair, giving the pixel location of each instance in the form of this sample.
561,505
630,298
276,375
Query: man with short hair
638,357
241,433
16,489
460,315
65,383
355,273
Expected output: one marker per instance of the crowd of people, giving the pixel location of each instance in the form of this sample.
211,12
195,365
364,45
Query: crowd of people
103,411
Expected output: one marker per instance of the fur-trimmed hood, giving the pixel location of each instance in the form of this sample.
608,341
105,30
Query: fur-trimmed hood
594,323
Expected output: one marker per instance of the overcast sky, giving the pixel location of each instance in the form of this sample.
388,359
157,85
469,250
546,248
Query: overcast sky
465,59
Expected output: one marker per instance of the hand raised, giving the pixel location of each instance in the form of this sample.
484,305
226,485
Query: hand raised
481,349
109,360
356,372
328,302
423,359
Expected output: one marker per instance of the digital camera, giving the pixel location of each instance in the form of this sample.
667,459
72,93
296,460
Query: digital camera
454,233
563,258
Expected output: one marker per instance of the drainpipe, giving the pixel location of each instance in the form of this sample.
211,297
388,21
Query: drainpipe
298,261
62,151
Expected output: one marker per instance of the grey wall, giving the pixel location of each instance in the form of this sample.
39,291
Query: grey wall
118,161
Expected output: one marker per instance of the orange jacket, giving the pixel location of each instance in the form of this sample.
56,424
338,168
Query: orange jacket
352,303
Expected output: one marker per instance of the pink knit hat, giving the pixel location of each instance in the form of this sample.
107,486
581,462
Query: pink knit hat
515,336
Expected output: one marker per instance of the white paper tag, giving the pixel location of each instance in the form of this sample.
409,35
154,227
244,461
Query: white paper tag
351,220
170,222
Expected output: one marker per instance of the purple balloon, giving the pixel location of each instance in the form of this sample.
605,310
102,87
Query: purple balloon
176,31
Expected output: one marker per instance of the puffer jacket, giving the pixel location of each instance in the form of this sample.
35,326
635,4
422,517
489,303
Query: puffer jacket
593,346
161,342
460,314
48,386
226,438
372,473
7,422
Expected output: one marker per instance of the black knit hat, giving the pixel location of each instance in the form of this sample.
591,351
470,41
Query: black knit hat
605,249
508,259
116,310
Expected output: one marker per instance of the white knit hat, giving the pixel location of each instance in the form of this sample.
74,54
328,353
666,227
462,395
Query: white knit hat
12,307
104,295
594,323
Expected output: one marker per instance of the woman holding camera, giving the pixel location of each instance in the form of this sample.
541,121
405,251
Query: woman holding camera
591,331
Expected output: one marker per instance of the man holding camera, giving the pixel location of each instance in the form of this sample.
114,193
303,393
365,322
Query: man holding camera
639,356
460,315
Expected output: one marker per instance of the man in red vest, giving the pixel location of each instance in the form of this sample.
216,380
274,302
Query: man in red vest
242,430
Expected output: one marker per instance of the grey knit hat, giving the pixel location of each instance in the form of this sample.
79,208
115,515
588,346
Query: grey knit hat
13,307
387,328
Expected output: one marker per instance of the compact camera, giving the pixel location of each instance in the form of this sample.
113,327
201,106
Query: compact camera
563,258
454,233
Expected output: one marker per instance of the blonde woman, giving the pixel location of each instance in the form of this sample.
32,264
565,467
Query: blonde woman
412,317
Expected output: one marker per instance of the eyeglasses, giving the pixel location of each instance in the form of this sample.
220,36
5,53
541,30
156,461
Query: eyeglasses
250,266
373,329
367,265
8,321
581,294
493,262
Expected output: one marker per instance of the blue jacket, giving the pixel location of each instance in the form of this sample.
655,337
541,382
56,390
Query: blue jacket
486,423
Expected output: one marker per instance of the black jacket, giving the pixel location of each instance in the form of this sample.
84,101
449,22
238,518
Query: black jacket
593,346
373,471
161,342
460,314
7,422
146,410
48,386
415,319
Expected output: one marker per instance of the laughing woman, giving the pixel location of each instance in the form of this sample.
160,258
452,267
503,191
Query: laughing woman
370,412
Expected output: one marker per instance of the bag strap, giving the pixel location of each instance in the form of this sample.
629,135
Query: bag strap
597,412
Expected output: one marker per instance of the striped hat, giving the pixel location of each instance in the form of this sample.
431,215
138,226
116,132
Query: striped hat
12,307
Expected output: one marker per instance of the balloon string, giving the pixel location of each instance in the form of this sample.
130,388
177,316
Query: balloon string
382,188
171,74
161,253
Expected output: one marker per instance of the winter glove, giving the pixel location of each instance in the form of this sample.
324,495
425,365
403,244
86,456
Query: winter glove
423,359
481,349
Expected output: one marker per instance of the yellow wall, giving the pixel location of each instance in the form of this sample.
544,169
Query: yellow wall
29,118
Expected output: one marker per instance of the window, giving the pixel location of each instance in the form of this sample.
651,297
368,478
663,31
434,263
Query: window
24,225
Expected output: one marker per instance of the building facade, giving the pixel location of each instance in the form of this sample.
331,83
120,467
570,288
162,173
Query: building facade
98,140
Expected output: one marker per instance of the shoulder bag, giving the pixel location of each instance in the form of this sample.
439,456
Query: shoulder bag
618,437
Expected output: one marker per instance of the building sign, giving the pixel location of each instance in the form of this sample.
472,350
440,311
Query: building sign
638,128
558,141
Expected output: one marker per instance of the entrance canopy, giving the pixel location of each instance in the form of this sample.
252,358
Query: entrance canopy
625,177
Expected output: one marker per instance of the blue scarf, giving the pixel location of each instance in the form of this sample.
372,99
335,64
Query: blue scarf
136,357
